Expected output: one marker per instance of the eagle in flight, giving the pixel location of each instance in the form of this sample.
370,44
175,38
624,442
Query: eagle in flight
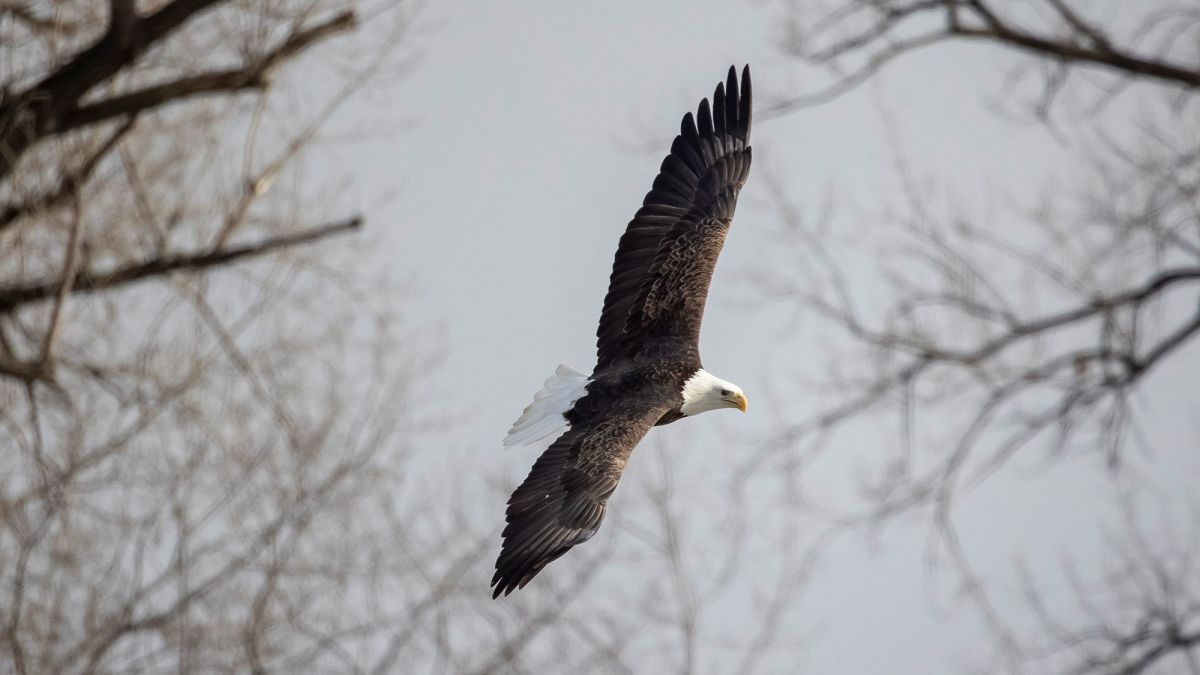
648,369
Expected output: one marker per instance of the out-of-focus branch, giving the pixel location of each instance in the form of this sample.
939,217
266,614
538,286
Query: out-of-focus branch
255,75
1075,41
51,106
21,370
146,486
91,281
21,12
1101,52
66,282
984,340
928,353
121,20
30,115
68,184
1154,624
1098,38
1137,652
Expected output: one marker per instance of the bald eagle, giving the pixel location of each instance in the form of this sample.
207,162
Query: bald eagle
648,369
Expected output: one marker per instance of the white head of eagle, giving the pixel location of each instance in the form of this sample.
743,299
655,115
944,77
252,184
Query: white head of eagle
705,391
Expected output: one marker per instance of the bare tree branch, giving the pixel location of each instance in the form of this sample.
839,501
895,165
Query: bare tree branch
974,20
252,76
989,340
122,17
91,281
30,115
69,183
66,282
22,13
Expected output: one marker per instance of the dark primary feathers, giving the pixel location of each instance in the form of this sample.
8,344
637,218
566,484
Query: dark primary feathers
657,290
666,257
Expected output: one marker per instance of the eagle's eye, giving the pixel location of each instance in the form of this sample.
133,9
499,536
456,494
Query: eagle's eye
724,392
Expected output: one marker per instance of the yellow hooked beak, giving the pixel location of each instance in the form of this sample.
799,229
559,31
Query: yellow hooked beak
738,401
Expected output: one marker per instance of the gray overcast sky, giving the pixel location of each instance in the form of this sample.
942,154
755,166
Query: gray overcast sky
528,158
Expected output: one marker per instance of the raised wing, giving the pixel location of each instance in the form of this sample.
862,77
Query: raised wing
666,257
562,501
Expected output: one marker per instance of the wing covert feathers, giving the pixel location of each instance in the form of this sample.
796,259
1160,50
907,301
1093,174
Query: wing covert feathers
670,246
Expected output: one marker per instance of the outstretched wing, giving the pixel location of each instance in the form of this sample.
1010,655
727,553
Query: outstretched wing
562,501
666,257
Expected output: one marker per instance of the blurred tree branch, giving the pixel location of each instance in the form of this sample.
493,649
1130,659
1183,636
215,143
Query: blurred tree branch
69,183
90,281
254,75
214,422
983,339
876,32
185,475
21,12
36,112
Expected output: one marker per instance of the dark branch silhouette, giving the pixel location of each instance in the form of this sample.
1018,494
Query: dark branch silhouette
91,281
1033,334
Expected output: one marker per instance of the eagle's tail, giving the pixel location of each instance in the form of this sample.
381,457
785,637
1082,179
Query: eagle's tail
545,415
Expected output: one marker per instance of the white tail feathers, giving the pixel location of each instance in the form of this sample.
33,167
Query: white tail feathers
545,415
